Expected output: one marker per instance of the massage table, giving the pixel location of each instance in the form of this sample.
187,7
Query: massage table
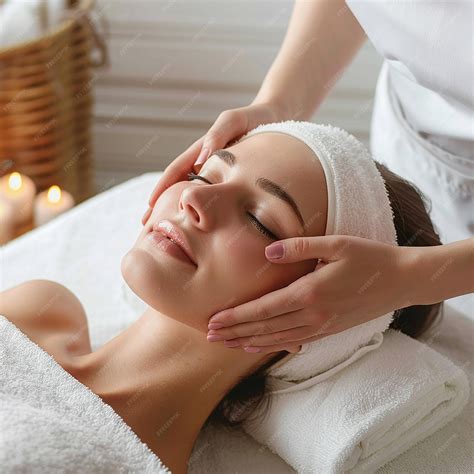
82,249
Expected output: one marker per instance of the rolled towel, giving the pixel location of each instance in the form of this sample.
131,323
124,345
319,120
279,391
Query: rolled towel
55,12
20,22
25,20
366,414
61,425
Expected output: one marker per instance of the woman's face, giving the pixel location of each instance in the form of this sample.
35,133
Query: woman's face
226,242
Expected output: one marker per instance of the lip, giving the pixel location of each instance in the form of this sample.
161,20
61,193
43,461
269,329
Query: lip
173,232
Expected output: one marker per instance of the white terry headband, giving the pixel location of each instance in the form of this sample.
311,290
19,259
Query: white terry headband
358,205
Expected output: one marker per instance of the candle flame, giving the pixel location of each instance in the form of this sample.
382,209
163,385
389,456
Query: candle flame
54,194
15,181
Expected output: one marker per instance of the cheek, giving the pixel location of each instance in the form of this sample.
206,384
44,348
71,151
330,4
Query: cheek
244,252
245,273
231,273
168,201
164,205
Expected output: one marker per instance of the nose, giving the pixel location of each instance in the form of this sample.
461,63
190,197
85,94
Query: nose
196,203
189,208
207,207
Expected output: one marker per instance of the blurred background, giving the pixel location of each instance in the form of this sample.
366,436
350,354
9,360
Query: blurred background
95,92
175,65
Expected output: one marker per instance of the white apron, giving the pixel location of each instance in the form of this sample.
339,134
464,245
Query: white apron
426,137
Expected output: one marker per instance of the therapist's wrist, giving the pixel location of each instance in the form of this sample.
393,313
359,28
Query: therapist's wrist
439,272
282,110
412,272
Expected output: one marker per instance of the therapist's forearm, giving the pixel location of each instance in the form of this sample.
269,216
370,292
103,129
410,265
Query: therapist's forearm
442,271
322,38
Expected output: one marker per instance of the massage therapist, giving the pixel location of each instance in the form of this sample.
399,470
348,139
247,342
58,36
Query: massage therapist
422,129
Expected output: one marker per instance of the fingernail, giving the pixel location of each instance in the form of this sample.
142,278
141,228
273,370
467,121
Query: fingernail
274,250
202,156
215,326
232,343
252,349
215,337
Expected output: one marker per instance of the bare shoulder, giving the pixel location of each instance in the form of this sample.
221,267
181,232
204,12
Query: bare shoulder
43,307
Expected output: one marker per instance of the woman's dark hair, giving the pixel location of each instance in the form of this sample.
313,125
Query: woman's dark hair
414,228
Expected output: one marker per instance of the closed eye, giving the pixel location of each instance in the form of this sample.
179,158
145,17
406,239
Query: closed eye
261,228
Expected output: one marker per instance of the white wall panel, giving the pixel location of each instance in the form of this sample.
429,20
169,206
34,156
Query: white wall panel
175,65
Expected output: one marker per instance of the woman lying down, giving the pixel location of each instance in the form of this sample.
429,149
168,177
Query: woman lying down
161,375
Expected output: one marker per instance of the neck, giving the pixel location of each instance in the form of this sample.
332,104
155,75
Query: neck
164,379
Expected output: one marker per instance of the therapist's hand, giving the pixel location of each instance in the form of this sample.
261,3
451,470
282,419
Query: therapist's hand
229,126
355,280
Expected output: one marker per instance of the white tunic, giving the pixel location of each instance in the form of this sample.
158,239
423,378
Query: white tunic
423,118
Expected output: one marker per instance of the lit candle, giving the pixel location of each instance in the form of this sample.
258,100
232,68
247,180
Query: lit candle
7,221
19,191
49,204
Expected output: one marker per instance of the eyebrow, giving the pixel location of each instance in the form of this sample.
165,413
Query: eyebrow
267,185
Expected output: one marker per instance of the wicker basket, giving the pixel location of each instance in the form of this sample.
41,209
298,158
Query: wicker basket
45,105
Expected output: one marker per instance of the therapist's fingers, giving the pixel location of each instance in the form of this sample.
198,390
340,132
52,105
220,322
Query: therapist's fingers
283,322
147,215
284,300
289,346
231,124
290,341
281,337
176,171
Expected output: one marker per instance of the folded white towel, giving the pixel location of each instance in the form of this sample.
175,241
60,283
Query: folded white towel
368,413
50,422
19,22
25,20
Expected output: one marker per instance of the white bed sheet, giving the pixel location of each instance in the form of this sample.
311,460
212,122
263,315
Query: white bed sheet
82,250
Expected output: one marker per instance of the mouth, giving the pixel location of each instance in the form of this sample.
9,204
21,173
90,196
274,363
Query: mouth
176,237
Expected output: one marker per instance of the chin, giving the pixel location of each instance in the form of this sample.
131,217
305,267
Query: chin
159,287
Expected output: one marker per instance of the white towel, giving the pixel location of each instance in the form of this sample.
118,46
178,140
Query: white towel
26,20
50,422
19,22
368,413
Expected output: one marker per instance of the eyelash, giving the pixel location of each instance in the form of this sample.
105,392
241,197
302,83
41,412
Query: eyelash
256,222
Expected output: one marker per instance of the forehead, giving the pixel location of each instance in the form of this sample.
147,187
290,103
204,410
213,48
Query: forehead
291,164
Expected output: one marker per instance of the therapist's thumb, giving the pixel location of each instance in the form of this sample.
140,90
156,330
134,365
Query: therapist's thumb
296,249
227,126
231,124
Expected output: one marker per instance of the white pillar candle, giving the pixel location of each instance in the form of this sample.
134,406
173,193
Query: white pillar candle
19,191
7,221
51,203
